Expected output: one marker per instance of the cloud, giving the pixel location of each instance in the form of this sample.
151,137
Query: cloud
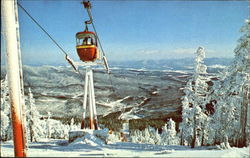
163,54
191,51
149,52
184,51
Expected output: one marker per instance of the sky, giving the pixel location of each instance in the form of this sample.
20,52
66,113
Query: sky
132,29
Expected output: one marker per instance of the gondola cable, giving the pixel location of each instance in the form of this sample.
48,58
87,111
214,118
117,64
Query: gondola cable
53,40
42,28
98,39
87,5
57,44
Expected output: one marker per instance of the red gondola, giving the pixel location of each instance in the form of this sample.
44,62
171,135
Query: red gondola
86,46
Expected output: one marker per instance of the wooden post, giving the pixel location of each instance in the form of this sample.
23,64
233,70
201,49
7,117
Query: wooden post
13,73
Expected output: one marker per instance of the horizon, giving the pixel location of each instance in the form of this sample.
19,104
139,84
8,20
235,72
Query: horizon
129,61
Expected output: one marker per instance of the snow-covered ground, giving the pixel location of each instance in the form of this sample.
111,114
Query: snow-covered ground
93,147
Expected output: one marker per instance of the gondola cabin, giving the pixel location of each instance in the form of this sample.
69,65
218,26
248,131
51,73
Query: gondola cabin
86,46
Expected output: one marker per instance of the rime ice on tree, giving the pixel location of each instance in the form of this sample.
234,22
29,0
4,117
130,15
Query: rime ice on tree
232,95
6,129
194,102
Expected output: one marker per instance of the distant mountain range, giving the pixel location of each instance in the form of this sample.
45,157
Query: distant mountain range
213,64
172,64
175,64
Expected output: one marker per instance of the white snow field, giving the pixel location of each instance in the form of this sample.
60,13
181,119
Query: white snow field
93,147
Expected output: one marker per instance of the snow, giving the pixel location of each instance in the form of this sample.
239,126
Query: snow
177,71
129,115
217,66
93,147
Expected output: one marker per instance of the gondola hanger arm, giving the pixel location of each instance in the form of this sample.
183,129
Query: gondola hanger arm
71,62
87,6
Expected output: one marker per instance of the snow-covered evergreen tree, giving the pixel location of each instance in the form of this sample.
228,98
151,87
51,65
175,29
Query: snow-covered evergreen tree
137,137
58,130
194,103
157,137
73,126
168,136
232,95
186,129
45,128
6,129
148,136
133,137
35,125
48,125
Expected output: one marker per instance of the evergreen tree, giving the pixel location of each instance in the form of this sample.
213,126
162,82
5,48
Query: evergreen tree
186,124
148,135
140,137
35,125
194,117
6,127
157,137
232,95
169,136
49,127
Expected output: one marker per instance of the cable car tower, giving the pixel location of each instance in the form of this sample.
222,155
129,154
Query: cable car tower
88,51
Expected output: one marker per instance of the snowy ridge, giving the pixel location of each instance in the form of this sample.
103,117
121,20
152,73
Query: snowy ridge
217,66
